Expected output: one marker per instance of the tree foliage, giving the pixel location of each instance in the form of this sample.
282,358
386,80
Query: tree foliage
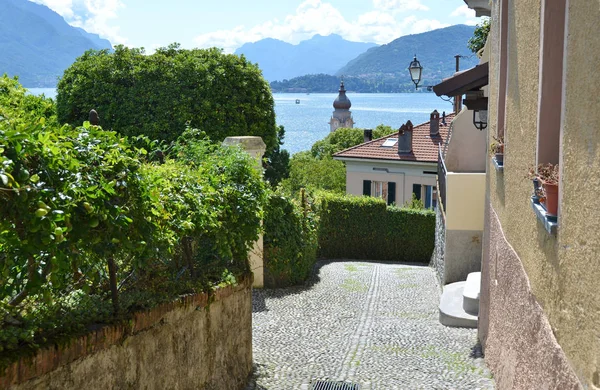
159,95
477,42
317,170
91,229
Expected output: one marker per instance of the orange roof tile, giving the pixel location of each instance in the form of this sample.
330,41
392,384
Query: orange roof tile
424,147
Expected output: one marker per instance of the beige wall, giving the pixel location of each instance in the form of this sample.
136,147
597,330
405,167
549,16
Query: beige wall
467,149
563,271
404,176
465,195
190,345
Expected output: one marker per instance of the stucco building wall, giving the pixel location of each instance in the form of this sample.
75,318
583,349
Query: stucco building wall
404,175
539,298
192,344
467,149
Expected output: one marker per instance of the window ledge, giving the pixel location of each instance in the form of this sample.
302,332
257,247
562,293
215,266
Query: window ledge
550,223
499,167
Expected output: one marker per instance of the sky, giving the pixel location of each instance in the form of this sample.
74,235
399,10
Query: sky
230,23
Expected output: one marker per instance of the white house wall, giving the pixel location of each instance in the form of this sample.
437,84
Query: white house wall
403,174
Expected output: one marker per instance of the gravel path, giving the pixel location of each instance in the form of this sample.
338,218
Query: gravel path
370,323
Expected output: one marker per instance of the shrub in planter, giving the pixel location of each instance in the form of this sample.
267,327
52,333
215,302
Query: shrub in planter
548,176
497,149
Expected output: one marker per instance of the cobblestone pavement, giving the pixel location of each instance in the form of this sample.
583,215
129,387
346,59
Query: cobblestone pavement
371,323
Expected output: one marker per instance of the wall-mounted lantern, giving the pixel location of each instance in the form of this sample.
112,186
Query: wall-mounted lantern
480,119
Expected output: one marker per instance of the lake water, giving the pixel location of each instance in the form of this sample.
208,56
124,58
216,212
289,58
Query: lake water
307,122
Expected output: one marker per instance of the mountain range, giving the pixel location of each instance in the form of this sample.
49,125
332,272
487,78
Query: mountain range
385,68
37,44
321,54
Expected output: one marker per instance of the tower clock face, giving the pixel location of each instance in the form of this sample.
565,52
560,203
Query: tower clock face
335,122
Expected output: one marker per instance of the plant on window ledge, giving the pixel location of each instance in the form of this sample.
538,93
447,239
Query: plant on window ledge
547,194
497,149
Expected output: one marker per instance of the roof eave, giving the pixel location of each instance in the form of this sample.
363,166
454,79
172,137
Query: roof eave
382,160
468,80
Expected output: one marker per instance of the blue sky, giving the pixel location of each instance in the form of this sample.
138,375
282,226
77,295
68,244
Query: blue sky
230,23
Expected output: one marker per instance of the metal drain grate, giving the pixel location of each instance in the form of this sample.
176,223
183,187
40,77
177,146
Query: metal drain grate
329,385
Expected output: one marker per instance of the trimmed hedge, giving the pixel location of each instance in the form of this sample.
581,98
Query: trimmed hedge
290,240
365,228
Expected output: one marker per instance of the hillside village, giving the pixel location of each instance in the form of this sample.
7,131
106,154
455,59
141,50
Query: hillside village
155,233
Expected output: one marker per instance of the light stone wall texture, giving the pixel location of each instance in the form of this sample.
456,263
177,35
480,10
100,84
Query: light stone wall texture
193,345
540,302
437,257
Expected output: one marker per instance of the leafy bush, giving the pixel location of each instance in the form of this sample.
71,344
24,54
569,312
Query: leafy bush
477,41
91,230
313,174
158,95
365,228
290,241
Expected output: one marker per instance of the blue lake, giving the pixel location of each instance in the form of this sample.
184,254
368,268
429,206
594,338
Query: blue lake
307,122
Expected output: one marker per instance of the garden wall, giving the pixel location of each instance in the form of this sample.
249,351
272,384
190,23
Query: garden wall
203,341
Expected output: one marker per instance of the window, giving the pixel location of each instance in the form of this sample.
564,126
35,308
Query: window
503,80
428,194
380,189
390,142
552,33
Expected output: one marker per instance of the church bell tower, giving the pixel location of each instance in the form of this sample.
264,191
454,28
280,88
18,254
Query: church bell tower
342,117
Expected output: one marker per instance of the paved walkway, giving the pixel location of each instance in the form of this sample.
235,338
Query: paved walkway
371,323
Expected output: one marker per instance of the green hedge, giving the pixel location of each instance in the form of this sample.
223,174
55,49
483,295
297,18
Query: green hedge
365,228
290,240
91,229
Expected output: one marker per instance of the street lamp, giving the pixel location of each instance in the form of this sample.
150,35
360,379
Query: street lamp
415,70
480,119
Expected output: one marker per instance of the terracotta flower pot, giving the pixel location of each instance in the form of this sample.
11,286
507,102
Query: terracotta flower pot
551,202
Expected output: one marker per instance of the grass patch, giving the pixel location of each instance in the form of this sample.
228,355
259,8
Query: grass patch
354,286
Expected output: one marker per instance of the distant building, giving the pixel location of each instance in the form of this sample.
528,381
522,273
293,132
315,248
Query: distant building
398,165
342,116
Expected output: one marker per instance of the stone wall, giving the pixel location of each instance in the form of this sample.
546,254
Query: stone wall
199,342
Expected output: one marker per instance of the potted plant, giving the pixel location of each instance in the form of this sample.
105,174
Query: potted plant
497,149
547,175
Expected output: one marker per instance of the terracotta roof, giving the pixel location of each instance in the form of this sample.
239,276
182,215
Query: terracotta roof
424,147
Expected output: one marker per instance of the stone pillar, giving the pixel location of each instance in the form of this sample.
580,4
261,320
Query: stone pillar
256,148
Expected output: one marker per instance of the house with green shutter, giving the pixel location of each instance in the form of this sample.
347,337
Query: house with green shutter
399,165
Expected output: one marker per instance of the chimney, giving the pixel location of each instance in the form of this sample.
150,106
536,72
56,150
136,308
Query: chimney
443,118
434,124
405,138
368,135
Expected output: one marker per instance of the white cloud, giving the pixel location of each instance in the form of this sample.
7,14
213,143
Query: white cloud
319,17
463,11
92,15
400,5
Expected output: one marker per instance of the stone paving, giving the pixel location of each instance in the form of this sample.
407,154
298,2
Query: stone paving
370,323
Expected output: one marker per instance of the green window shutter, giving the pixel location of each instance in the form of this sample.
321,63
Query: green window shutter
391,198
417,191
367,187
